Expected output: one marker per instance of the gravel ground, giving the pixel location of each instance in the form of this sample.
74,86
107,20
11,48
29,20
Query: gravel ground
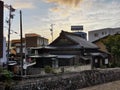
106,86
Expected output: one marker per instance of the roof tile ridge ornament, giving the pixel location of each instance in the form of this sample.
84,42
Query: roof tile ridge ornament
65,32
62,32
70,33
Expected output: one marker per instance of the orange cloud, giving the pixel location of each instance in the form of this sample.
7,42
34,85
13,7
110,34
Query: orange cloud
73,3
19,5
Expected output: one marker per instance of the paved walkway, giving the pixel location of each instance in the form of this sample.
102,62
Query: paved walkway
107,86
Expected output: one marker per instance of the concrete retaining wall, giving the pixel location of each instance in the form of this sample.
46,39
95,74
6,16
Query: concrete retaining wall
33,71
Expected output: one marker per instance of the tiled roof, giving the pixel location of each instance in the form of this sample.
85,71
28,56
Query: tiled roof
17,40
77,41
82,42
31,35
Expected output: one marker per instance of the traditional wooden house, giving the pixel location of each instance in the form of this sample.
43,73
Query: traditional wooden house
102,48
67,50
82,51
42,57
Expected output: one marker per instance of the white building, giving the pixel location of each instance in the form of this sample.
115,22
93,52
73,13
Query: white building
4,58
98,34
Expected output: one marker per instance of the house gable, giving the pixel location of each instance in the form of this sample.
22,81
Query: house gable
62,40
71,39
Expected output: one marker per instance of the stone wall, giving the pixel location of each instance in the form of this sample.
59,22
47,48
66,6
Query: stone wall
2,87
68,81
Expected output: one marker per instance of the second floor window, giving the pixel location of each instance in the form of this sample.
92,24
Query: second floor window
96,34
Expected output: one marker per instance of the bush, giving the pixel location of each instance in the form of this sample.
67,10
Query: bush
103,66
112,65
48,69
5,75
1,69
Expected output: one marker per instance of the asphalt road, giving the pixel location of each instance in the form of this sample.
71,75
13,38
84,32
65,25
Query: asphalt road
106,86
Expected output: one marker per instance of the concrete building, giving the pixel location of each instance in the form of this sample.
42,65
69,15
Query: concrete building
1,28
30,40
101,33
15,44
35,40
3,58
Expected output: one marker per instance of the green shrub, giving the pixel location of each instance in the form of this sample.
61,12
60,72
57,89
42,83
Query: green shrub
1,69
6,75
117,65
112,65
48,69
103,66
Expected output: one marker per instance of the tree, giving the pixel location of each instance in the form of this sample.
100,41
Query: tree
112,44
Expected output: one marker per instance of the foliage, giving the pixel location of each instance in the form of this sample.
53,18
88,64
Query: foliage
48,69
103,66
112,44
1,69
5,75
112,65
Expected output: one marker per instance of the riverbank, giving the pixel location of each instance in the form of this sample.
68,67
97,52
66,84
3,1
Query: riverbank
67,81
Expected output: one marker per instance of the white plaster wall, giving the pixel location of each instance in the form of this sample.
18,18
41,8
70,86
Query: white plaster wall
4,59
102,33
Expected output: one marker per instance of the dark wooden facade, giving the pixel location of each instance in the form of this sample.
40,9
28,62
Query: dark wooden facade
70,49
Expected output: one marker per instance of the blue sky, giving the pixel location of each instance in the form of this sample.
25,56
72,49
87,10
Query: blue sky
38,15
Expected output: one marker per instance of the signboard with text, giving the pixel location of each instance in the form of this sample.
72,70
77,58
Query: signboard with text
73,28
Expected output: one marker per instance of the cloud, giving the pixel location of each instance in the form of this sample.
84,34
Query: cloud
91,14
73,3
23,5
62,9
55,9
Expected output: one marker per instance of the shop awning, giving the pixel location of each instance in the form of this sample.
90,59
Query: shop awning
103,55
84,58
42,56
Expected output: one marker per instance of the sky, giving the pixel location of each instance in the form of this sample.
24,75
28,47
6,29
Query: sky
38,15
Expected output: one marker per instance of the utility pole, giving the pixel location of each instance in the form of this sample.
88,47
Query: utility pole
11,9
21,39
51,29
9,27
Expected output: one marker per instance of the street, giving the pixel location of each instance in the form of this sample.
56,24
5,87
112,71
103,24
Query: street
107,86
